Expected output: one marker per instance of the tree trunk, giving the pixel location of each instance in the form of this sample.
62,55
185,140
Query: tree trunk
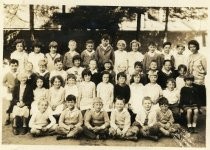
138,26
166,24
31,11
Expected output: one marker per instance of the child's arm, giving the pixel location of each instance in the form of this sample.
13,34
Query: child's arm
61,121
32,123
127,123
80,122
111,97
87,118
106,121
113,56
94,90
98,90
112,120
52,122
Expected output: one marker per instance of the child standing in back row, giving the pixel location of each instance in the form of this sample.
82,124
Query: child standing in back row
67,59
88,54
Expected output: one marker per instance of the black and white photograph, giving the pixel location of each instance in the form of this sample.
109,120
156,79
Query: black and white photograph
104,75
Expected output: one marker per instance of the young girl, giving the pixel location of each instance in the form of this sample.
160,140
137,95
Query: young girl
104,52
56,96
20,105
197,66
152,55
31,75
153,90
108,66
165,73
88,54
173,96
40,93
134,55
67,60
137,93
52,55
167,52
95,77
105,90
87,92
36,55
190,103
120,55
182,70
20,54
179,57
71,88
76,69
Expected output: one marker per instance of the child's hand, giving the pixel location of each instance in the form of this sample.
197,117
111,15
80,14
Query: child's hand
54,107
44,129
145,128
22,104
119,132
96,129
71,126
144,132
167,126
181,111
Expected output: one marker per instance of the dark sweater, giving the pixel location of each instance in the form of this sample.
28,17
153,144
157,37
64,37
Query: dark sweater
122,91
162,78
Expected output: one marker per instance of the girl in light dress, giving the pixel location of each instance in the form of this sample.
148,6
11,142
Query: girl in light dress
40,93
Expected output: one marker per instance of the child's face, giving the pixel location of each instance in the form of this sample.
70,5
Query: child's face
14,67
166,49
71,81
39,83
136,78
119,105
152,78
89,47
42,68
53,50
107,66
170,85
105,78
138,68
189,82
180,50
120,46
19,47
23,79
152,48
97,106
105,42
37,49
121,68
193,48
182,72
147,104
87,78
167,66
164,108
59,66
76,63
92,65
72,45
135,47
153,66
70,104
29,67
57,83
42,107
121,80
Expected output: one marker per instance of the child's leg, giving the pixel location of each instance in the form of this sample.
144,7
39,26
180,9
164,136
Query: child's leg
75,132
132,131
189,116
35,132
195,118
112,132
89,133
62,131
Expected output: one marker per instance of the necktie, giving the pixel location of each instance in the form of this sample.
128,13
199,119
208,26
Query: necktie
146,119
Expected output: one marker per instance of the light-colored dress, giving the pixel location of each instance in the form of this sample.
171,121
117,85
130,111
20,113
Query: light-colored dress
34,59
22,58
71,90
50,60
132,58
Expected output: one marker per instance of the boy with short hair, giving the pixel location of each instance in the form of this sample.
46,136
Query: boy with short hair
96,121
39,122
10,81
119,120
70,120
88,54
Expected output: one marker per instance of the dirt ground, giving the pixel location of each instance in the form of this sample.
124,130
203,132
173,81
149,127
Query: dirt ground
190,140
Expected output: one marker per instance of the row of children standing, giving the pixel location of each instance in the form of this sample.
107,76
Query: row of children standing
67,77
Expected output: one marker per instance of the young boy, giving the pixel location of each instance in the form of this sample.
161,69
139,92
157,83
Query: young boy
96,121
71,120
42,122
105,90
165,119
119,120
44,72
58,69
179,57
88,54
67,59
190,102
52,55
152,55
182,70
145,122
95,78
76,69
165,73
167,52
104,52
36,55
20,105
121,88
10,81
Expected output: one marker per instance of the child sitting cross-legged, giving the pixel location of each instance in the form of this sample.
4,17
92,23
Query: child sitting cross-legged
42,123
165,120
96,121
70,121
